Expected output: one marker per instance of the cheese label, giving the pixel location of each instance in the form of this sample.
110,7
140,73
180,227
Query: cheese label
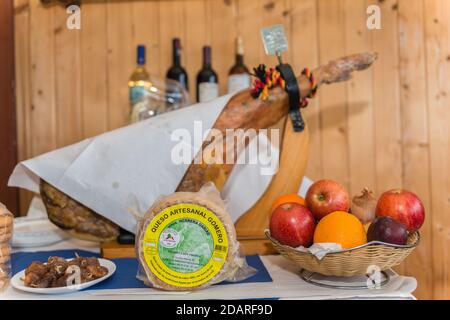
185,245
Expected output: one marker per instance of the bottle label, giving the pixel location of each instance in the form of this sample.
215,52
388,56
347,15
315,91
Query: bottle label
142,110
136,94
238,82
208,91
185,245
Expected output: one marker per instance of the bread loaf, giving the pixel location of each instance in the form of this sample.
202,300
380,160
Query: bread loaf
6,231
5,253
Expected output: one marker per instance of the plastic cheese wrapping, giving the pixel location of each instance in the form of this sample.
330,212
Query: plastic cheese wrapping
6,231
187,241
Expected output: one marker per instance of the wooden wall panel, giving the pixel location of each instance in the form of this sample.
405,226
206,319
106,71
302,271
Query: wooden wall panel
387,128
305,53
121,57
22,58
173,14
437,15
67,80
43,136
333,99
223,15
250,22
146,31
196,36
275,12
361,157
415,142
94,70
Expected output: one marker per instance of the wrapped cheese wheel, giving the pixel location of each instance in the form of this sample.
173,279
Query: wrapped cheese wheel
187,241
6,231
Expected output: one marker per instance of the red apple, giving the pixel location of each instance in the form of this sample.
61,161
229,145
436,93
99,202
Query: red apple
325,197
292,224
403,206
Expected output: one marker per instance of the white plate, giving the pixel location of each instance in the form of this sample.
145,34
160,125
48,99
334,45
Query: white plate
35,232
17,282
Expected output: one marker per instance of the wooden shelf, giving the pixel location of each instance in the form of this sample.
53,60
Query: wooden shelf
114,250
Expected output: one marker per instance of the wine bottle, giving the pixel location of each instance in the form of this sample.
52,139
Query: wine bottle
139,79
207,80
239,77
176,71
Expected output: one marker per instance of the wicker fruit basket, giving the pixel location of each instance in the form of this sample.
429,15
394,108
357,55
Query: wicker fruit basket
351,262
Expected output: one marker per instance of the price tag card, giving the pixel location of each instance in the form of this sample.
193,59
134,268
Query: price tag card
274,40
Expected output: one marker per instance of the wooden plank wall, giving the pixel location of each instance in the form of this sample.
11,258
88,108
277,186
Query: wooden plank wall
386,128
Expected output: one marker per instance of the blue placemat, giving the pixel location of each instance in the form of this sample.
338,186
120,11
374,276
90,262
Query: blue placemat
125,275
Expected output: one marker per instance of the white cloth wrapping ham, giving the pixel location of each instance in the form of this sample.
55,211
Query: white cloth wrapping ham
124,171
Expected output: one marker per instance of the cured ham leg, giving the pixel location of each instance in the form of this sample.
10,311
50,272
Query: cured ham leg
245,112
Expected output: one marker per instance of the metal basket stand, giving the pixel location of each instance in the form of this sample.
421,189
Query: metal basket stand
319,280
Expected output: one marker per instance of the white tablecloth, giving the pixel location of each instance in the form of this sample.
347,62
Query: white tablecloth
286,285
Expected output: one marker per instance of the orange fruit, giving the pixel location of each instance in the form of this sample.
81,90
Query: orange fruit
342,228
288,198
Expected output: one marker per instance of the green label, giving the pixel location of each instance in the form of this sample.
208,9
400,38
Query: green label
136,94
185,245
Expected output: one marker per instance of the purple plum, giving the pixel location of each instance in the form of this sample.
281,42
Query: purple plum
388,230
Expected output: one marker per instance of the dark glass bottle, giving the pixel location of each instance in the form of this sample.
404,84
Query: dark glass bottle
207,80
239,76
176,71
